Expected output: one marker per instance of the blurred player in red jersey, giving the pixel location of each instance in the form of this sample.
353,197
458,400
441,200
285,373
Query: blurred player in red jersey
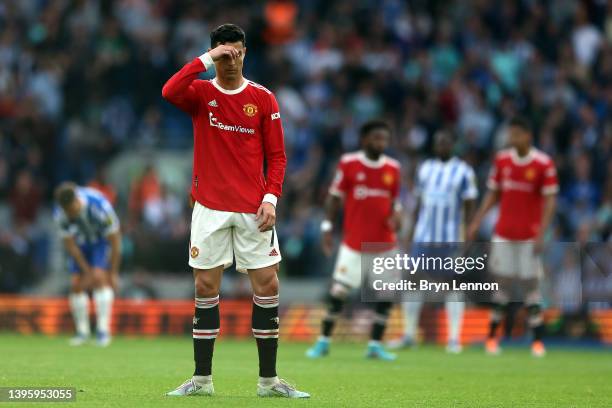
368,183
236,127
524,182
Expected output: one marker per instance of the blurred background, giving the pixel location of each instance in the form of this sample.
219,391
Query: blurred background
80,99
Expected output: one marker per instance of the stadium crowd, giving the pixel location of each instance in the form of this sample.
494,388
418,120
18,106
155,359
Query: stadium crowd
80,83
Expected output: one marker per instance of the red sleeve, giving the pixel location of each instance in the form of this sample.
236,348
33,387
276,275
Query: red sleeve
180,91
340,184
274,149
494,180
550,184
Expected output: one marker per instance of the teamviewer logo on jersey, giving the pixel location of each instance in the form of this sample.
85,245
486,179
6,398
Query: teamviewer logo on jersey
214,122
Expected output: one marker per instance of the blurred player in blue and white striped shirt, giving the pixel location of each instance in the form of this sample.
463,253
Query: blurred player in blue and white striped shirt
90,232
447,192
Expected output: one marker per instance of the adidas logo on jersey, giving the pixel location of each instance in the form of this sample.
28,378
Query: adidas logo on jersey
273,252
213,103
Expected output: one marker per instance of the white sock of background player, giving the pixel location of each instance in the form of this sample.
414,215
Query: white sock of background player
79,305
103,299
412,313
454,316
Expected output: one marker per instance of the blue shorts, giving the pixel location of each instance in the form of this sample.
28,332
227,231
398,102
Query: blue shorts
97,256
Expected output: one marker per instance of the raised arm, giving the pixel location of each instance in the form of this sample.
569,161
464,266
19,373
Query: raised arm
180,91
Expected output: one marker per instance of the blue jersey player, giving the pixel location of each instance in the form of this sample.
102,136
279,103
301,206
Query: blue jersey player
447,192
90,233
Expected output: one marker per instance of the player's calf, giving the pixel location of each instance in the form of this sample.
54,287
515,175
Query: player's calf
536,323
337,297
375,348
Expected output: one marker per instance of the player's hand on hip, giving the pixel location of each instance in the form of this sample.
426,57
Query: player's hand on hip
266,215
327,242
223,51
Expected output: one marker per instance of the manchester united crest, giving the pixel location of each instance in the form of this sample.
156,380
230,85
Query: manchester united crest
529,173
249,109
195,252
387,178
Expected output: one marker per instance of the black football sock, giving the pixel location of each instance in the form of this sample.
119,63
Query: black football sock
265,330
333,310
380,320
496,316
205,330
511,310
536,321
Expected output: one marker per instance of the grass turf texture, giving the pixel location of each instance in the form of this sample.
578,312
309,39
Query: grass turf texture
135,372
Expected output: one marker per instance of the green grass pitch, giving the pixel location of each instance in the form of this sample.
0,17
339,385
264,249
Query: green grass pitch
135,372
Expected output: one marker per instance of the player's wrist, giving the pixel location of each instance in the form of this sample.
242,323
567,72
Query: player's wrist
206,60
270,198
326,226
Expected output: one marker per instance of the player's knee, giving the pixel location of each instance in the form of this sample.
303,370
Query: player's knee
205,287
338,291
267,286
497,311
534,309
99,278
535,316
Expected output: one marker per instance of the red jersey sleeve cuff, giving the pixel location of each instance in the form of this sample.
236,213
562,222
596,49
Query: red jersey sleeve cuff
270,198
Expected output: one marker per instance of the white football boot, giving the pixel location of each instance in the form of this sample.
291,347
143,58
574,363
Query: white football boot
190,387
282,389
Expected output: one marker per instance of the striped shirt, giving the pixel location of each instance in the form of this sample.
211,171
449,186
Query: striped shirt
442,187
96,221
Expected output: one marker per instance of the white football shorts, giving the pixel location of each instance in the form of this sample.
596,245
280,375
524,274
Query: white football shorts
348,268
514,259
219,236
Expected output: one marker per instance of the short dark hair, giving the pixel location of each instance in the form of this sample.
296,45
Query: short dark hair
520,122
371,125
227,33
65,194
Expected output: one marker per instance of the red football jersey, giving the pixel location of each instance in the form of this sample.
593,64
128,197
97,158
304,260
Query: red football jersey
233,131
522,183
369,189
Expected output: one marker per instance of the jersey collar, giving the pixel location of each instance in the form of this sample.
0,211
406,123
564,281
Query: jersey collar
241,88
522,160
449,161
375,164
